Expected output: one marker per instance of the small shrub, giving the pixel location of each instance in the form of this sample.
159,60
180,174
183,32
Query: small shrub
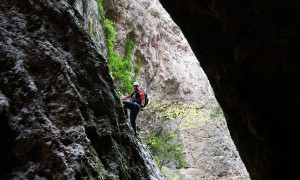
166,150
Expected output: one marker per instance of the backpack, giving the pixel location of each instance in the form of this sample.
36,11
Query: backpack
146,99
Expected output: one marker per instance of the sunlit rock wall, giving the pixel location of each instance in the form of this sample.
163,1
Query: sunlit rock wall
170,71
211,153
169,68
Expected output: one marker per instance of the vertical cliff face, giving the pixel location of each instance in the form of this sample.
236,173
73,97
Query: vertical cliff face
92,22
60,117
169,68
170,71
250,51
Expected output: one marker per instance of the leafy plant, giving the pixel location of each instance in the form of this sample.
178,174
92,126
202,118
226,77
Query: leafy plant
128,49
100,7
168,119
120,69
165,149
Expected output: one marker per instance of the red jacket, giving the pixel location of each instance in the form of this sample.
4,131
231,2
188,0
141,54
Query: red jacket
141,95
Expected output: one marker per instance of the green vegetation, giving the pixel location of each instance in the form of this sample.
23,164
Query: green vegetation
217,113
164,144
91,167
120,69
90,26
187,115
121,159
165,149
99,166
100,7
137,68
129,47
169,175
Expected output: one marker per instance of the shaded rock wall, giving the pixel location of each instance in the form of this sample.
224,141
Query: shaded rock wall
92,22
60,117
249,51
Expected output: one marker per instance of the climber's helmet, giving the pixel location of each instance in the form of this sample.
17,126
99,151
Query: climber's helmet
135,84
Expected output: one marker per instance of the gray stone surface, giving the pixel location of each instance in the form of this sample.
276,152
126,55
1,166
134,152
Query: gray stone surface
170,70
60,117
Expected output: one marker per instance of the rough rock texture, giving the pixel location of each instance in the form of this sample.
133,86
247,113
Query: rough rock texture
207,145
211,154
93,22
60,117
170,70
250,52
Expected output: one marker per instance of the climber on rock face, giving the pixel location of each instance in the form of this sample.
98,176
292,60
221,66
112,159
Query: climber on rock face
135,104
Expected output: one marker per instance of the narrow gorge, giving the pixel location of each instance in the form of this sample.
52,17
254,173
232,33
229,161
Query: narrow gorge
60,110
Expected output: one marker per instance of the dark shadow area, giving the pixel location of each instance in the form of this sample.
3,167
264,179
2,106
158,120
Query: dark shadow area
7,138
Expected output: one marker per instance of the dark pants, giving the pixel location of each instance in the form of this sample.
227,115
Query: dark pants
134,111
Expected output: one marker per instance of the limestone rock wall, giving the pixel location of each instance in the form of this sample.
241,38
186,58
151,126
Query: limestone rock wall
60,117
211,153
170,70
92,22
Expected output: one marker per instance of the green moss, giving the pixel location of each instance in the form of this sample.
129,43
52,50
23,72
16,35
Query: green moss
137,68
121,160
120,69
99,166
217,113
90,26
91,168
191,115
